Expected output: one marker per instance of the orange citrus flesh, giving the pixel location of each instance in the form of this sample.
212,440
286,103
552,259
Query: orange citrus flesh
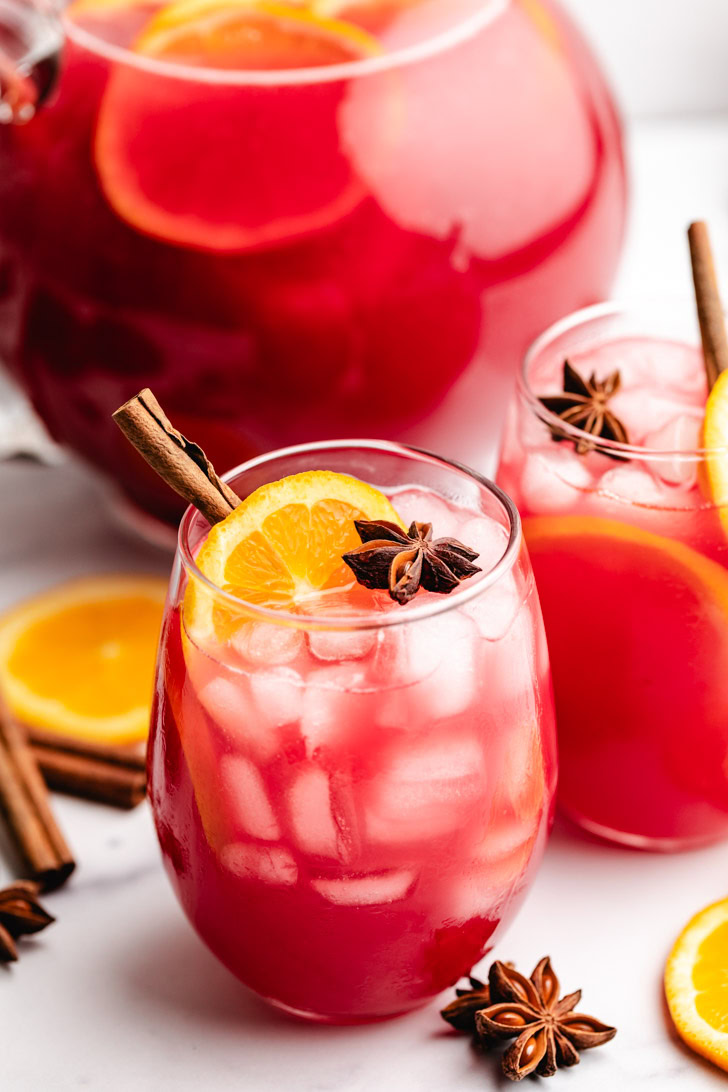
222,168
79,659
696,983
251,34
715,439
282,547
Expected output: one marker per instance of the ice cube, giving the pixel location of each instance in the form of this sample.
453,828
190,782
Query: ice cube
680,433
335,701
311,816
331,644
439,665
278,696
495,609
643,410
227,700
486,536
269,864
375,889
554,478
245,800
267,643
633,485
426,791
426,507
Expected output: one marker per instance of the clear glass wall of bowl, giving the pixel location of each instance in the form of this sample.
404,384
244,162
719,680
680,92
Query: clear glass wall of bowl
377,270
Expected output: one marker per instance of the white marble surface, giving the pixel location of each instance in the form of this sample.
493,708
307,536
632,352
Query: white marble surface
119,994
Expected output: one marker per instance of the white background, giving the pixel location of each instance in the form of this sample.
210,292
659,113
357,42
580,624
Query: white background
663,56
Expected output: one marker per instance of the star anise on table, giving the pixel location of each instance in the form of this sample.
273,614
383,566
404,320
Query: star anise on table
460,1013
547,1033
404,561
20,915
584,403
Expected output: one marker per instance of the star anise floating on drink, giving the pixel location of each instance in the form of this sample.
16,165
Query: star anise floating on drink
20,915
404,561
547,1033
584,403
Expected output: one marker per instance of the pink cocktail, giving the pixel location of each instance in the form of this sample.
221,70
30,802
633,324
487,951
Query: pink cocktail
351,801
282,219
630,553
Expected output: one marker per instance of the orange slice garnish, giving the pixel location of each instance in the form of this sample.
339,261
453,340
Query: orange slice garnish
226,167
696,983
79,659
715,439
282,547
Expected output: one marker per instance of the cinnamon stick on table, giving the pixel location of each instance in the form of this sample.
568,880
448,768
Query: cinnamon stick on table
25,805
106,773
707,297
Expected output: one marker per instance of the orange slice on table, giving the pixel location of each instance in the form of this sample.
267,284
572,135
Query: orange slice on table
282,547
221,166
79,659
715,437
696,983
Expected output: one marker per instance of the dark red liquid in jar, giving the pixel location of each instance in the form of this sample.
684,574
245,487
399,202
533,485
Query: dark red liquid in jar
387,263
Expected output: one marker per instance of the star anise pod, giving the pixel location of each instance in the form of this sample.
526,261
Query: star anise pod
20,915
460,1013
548,1033
584,404
403,561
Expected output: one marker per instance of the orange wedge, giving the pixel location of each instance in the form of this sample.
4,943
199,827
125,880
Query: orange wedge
282,547
223,167
715,438
251,34
79,659
696,983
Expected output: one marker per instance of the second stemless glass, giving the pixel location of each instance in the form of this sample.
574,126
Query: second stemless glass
350,809
630,556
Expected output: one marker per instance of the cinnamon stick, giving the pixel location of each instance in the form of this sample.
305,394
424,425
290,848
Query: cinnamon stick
707,298
105,773
182,464
25,805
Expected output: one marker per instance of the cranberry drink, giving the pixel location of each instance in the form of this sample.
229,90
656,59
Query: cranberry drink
351,800
629,547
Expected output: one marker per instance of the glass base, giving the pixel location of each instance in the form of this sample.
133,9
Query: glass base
646,843
340,1021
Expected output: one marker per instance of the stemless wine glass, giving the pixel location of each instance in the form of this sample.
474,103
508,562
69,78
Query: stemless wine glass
272,240
630,551
350,805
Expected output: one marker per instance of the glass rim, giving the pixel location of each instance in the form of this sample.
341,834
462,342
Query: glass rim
488,12
364,620
572,321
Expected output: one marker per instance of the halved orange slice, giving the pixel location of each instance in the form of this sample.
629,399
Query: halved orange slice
282,547
79,659
696,983
715,438
230,166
